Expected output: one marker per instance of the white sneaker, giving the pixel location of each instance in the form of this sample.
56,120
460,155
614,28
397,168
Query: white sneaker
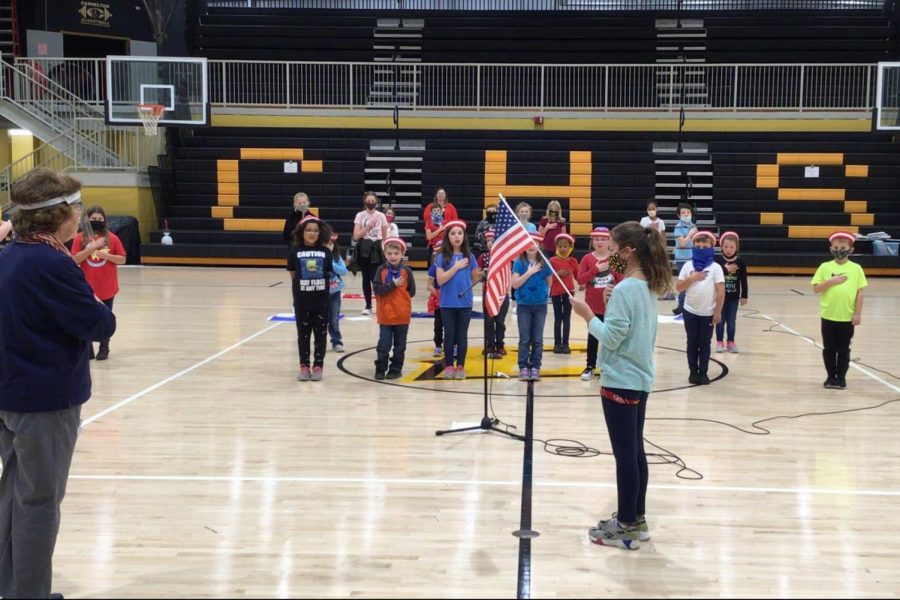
587,374
366,312
338,348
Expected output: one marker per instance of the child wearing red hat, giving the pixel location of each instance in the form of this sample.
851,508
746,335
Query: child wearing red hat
840,283
703,282
565,266
395,287
595,274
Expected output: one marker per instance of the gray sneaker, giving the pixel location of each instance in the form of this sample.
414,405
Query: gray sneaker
316,374
640,525
612,534
338,347
460,373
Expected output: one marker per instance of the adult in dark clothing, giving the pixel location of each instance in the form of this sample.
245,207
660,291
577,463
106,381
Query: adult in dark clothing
300,211
48,318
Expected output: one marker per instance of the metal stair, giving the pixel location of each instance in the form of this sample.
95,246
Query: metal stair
398,47
394,172
681,43
684,173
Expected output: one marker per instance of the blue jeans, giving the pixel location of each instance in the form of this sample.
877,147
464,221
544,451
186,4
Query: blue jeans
531,319
699,336
456,333
391,336
729,317
678,265
334,315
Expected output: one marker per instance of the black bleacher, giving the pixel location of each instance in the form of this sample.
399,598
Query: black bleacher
622,182
607,37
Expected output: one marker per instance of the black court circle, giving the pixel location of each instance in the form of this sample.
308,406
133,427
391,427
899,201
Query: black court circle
343,369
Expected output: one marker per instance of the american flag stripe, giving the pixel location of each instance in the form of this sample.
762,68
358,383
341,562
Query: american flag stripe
511,240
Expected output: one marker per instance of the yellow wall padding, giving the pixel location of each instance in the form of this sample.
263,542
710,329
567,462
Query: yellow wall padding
817,231
253,224
862,219
271,153
803,158
494,156
811,194
227,165
856,206
311,166
770,218
580,156
857,170
222,212
766,182
767,170
228,199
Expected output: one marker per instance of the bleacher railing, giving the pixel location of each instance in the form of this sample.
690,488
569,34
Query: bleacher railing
442,86
543,5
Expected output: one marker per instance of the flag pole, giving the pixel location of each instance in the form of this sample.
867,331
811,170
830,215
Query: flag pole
547,262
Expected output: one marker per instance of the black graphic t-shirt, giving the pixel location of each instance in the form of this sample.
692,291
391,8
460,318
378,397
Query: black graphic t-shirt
735,283
313,265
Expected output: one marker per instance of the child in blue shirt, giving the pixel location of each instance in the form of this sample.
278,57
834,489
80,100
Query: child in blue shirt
531,280
456,271
627,338
684,230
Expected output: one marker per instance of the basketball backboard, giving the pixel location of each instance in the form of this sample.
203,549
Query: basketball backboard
178,84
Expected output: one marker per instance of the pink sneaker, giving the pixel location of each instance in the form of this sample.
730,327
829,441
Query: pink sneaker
449,372
304,373
732,347
720,347
317,374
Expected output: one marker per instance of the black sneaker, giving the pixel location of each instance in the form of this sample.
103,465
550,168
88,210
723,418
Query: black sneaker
694,378
557,349
379,375
103,353
394,375
831,383
840,383
702,379
677,311
566,350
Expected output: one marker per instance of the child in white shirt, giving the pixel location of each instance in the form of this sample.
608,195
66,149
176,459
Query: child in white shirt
703,282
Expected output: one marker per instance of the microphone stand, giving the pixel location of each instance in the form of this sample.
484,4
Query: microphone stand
487,423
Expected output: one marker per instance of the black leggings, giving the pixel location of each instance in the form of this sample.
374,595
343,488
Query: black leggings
496,328
368,273
625,424
438,328
699,336
562,319
593,347
313,322
836,336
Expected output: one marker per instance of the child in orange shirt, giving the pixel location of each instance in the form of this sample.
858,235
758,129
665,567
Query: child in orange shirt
395,287
565,266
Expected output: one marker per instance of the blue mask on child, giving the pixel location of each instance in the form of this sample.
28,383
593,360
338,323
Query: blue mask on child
702,257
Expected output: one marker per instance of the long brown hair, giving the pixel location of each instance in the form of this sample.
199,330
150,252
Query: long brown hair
324,232
447,249
650,248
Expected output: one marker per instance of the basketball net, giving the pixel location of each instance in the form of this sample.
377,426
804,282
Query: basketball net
150,115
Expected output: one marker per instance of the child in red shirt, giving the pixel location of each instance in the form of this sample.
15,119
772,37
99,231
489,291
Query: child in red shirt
565,266
99,252
595,274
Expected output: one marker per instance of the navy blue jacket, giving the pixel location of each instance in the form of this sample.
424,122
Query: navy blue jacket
48,317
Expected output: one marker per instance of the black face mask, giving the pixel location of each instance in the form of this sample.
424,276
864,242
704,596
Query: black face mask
370,205
98,226
491,217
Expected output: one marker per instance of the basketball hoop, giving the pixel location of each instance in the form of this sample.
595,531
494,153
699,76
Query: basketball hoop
150,115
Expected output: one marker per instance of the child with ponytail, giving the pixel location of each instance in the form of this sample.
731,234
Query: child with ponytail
627,338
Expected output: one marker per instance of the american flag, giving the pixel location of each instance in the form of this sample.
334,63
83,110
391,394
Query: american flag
510,240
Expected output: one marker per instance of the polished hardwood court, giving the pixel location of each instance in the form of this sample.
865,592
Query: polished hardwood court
204,469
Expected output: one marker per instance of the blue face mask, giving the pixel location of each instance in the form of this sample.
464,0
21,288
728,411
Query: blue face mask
687,220
702,257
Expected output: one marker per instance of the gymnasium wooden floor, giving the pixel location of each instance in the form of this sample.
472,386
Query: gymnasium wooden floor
205,469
